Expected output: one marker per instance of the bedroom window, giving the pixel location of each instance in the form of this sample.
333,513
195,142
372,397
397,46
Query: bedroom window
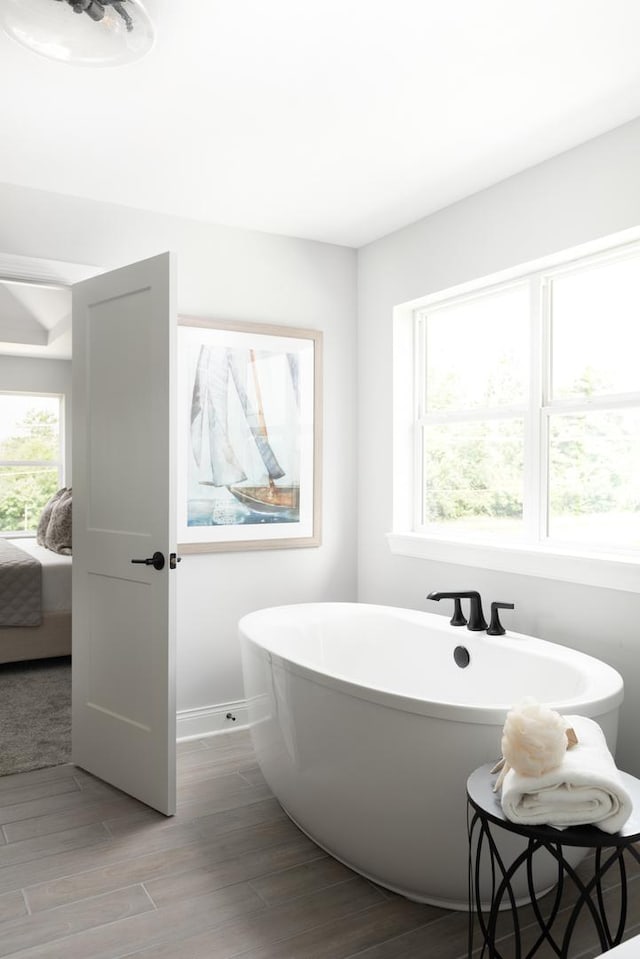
31,459
526,416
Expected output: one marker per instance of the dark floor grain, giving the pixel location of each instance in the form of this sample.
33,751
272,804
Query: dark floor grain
88,873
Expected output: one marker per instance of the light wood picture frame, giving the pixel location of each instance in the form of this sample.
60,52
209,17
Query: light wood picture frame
249,436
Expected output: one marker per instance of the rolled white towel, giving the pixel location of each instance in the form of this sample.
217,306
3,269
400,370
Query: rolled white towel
584,789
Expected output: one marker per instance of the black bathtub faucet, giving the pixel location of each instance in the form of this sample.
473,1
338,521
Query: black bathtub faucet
477,621
495,626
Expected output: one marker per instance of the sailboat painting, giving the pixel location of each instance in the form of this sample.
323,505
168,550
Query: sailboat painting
249,436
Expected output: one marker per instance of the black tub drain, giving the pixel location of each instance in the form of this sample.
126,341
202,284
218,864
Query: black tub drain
461,656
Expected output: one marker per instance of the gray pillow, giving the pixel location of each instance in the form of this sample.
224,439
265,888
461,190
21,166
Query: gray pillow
58,538
45,516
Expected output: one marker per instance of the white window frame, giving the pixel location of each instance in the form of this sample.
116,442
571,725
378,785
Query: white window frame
58,463
617,569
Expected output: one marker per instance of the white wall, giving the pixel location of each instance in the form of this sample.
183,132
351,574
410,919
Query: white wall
584,194
233,275
27,374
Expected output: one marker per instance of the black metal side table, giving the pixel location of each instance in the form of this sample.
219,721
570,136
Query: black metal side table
554,922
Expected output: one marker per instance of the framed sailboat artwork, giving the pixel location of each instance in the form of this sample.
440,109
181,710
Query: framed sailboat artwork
249,436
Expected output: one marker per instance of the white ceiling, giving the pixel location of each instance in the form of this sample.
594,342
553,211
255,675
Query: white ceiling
339,121
35,320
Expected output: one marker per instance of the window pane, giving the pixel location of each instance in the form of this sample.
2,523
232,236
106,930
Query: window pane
23,492
596,330
29,430
29,427
594,478
477,352
474,475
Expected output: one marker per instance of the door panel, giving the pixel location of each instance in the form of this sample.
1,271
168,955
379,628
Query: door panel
124,331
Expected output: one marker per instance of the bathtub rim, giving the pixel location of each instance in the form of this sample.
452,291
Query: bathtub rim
587,704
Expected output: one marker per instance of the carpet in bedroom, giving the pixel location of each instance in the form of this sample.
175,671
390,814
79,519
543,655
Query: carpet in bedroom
35,715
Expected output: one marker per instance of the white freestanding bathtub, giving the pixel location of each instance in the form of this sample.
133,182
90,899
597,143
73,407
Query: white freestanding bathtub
366,729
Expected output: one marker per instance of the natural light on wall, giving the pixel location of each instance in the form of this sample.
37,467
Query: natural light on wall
525,412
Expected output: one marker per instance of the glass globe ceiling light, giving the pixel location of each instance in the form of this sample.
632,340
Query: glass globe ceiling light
81,32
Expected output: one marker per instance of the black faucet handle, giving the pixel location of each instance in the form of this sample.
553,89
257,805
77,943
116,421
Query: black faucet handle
458,618
495,626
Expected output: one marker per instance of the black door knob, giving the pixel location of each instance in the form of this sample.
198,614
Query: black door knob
157,560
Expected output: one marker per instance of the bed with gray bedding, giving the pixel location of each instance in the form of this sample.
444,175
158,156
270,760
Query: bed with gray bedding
35,601
20,587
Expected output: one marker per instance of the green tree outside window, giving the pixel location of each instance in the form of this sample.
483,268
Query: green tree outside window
30,472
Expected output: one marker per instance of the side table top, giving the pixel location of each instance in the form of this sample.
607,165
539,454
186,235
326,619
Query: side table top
487,804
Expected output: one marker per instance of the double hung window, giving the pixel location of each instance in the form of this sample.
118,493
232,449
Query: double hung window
527,427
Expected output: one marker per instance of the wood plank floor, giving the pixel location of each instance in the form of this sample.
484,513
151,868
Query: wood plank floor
88,873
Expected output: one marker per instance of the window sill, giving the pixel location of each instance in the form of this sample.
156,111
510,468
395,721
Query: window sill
603,570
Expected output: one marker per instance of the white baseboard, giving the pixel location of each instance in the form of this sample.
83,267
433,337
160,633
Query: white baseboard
211,720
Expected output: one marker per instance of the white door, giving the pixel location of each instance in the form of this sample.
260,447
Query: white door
123,672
